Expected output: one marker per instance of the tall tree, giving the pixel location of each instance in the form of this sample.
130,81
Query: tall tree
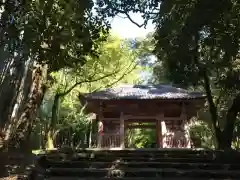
38,37
198,42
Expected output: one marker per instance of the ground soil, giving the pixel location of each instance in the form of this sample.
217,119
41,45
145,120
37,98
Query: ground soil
15,165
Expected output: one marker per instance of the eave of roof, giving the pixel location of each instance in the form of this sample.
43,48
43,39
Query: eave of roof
140,92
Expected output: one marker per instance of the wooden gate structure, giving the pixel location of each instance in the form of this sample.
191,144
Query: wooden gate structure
163,107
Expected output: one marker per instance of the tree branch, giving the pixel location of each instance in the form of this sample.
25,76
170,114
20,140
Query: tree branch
82,98
149,10
132,21
212,107
127,16
85,81
119,79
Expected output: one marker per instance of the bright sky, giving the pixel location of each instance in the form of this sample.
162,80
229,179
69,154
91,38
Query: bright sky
126,29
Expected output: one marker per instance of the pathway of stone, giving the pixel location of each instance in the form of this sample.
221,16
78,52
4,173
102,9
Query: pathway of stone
137,165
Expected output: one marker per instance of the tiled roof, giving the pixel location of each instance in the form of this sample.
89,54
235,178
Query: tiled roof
144,92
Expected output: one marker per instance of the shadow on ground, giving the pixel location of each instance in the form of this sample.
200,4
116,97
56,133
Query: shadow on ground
15,164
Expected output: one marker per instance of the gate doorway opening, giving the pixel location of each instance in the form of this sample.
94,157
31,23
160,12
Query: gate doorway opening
141,135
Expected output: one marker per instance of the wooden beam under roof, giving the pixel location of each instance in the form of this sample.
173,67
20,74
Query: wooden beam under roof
141,126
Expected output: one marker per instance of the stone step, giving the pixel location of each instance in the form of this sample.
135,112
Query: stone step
143,172
134,165
142,150
140,159
133,154
131,178
108,155
141,164
150,153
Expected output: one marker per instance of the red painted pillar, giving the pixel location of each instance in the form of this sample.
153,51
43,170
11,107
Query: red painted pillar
158,134
100,134
122,133
159,119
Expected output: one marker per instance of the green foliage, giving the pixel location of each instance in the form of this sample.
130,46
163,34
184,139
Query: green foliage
145,48
194,38
198,43
45,36
149,9
141,138
190,36
117,60
57,32
201,135
117,63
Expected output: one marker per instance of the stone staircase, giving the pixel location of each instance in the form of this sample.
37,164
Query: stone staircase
137,164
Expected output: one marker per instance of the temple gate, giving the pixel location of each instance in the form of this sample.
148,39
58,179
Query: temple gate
162,107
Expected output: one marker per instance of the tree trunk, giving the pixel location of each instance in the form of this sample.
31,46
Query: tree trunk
23,110
219,138
225,137
50,141
13,73
52,125
227,134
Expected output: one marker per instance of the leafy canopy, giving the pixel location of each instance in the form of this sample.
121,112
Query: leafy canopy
61,109
57,32
116,63
198,36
